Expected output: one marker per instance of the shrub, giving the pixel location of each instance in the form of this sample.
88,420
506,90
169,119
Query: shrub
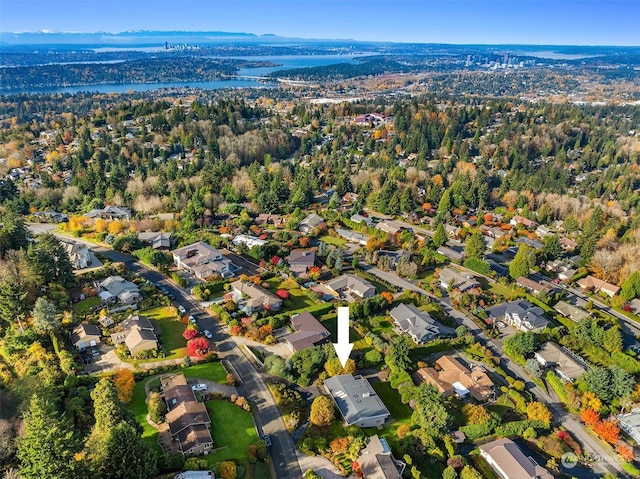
518,428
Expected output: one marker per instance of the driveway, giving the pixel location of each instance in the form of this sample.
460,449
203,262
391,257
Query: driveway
319,465
108,362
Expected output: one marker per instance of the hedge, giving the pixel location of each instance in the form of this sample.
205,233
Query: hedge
626,362
557,385
476,431
517,428
373,277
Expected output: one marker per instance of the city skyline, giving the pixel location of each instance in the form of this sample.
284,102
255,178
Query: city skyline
540,22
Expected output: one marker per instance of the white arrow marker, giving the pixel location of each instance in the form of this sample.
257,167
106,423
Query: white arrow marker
343,347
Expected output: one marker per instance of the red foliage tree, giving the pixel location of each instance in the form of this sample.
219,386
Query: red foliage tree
275,260
589,416
625,452
282,294
189,334
607,430
236,330
197,347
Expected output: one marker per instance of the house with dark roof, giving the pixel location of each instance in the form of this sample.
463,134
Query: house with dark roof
302,260
157,240
352,285
202,261
565,364
417,324
453,254
309,332
266,219
449,376
530,243
85,335
353,236
310,222
138,333
110,213
254,298
188,420
356,400
394,256
520,314
116,288
509,461
376,461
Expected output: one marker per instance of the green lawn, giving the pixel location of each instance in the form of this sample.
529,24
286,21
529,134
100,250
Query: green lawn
391,398
233,432
421,353
501,290
336,241
298,297
173,343
330,321
84,306
211,371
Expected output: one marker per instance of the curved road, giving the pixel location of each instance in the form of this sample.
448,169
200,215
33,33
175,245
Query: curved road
251,383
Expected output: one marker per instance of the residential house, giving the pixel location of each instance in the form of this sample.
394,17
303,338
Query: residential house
377,462
394,256
362,219
85,335
597,285
302,260
494,231
52,216
188,420
450,376
258,298
310,223
357,401
451,278
351,285
248,240
564,270
543,232
116,288
202,261
417,324
266,219
309,332
451,253
564,363
533,286
521,220
634,304
157,240
194,475
520,314
138,333
79,254
570,311
499,269
630,423
465,221
352,236
536,245
110,213
509,461
392,227
568,244
452,231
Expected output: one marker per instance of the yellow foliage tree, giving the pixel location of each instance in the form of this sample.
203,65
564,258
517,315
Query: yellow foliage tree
125,382
101,225
536,411
475,414
115,227
590,401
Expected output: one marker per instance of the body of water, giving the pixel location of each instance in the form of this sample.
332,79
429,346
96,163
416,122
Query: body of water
283,62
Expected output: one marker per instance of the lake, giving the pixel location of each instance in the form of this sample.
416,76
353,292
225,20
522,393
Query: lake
284,62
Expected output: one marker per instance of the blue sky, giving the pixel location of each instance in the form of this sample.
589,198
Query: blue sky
590,22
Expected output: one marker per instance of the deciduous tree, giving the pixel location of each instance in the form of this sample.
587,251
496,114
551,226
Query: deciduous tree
322,411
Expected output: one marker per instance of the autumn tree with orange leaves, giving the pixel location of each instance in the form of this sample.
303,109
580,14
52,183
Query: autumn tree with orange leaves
607,430
125,382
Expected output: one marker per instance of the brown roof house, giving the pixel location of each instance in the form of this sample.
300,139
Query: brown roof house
510,462
301,260
138,333
450,376
188,419
377,462
85,335
598,285
309,332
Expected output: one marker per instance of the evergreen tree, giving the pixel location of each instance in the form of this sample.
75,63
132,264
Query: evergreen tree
125,455
440,235
522,262
445,202
475,245
552,248
13,234
48,445
45,316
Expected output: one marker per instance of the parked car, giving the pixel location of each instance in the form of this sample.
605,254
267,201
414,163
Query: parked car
192,319
199,387
501,324
182,309
267,440
208,334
